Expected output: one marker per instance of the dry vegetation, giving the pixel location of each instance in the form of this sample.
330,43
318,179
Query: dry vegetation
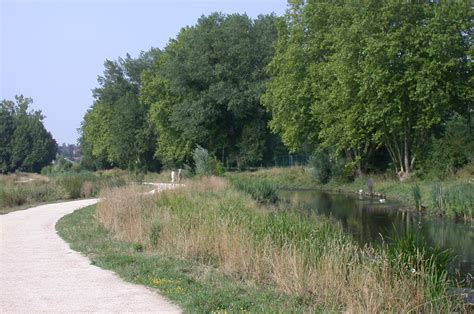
309,257
18,191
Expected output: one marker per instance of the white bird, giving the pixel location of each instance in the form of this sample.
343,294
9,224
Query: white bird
382,200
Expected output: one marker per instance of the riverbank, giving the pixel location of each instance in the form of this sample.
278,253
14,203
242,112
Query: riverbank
453,198
211,247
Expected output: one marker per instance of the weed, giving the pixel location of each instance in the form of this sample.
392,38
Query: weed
415,189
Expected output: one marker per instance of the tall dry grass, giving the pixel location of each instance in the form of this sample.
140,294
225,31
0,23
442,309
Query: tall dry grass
123,211
210,222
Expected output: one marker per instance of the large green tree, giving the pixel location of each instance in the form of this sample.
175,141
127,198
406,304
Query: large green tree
25,144
205,89
377,73
115,130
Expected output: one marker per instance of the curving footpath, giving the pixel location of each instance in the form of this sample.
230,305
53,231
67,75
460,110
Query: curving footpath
39,272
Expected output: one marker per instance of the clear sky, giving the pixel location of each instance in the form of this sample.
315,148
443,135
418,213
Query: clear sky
53,51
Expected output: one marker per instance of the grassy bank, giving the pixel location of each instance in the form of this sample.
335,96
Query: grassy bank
211,247
20,191
453,197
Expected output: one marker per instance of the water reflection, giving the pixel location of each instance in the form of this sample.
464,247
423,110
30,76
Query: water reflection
370,221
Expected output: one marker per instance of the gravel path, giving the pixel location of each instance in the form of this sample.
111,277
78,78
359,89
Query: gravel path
39,272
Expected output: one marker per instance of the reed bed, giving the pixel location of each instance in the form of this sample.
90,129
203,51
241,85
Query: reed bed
211,222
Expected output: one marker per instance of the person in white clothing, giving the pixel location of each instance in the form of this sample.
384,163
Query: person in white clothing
173,175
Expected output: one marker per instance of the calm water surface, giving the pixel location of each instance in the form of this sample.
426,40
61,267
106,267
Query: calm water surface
370,221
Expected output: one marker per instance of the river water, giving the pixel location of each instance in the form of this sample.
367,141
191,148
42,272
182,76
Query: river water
370,221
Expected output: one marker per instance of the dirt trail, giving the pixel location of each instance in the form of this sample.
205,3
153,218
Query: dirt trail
39,272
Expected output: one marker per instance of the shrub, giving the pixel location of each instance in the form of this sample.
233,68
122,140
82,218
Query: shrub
205,163
73,183
321,166
61,165
453,150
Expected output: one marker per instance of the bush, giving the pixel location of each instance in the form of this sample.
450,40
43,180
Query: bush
321,166
452,151
205,163
72,184
342,170
61,165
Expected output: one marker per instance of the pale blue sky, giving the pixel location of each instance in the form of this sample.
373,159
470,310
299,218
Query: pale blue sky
53,50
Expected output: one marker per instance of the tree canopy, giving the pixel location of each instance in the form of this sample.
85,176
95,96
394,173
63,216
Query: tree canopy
364,83
25,144
205,89
377,73
115,130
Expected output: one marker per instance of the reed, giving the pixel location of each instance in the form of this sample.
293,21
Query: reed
212,222
261,191
455,200
416,193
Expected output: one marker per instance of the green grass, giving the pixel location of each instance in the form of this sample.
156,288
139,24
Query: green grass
195,287
453,197
261,191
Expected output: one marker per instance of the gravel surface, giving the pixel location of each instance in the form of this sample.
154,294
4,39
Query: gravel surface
39,272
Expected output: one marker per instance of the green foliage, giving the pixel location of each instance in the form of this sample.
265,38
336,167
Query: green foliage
25,144
73,183
357,77
206,164
455,200
321,166
261,191
205,89
325,167
416,193
61,165
411,253
453,150
84,184
282,178
115,131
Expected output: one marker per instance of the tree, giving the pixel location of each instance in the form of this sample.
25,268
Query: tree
7,127
416,71
115,131
26,144
205,89
357,77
